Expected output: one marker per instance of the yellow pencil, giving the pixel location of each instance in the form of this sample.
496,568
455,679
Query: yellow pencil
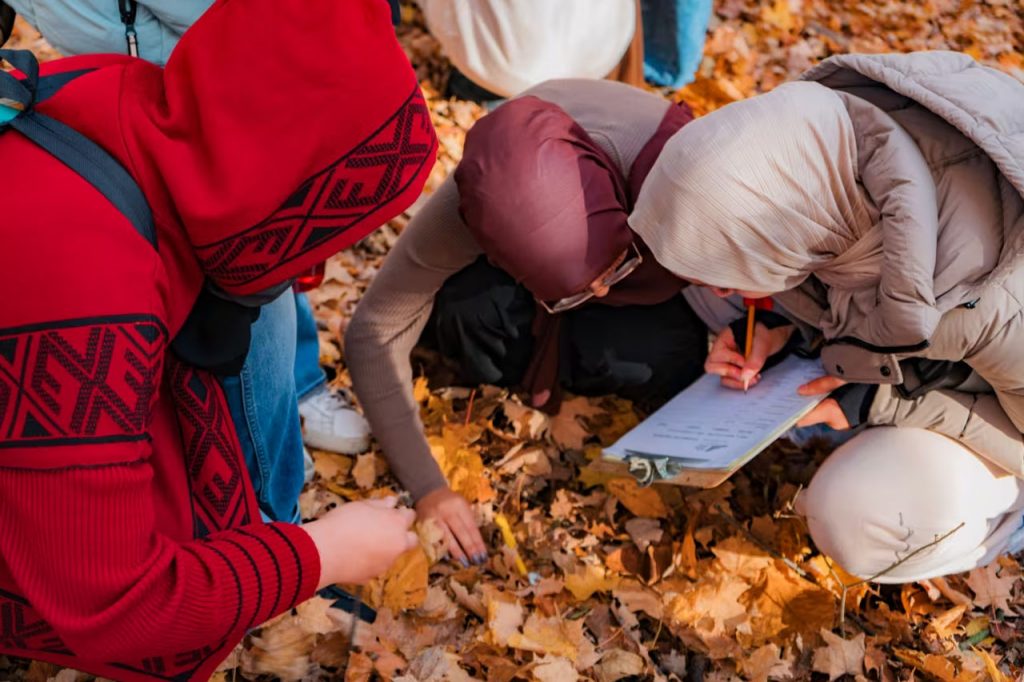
510,542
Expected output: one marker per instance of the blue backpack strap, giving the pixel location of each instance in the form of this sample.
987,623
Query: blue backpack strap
73,149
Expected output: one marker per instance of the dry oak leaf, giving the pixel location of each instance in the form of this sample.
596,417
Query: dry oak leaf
281,650
742,558
527,423
991,586
554,669
784,605
435,665
552,636
618,663
765,663
330,466
639,501
712,607
636,597
365,471
566,430
590,579
936,666
945,624
505,617
839,656
404,586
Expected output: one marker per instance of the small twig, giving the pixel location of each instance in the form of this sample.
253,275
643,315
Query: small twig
469,407
762,546
846,588
657,634
907,558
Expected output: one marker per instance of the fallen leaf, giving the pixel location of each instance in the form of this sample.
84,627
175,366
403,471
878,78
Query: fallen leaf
765,663
618,663
839,656
566,430
554,669
588,580
640,501
365,471
945,624
549,636
505,617
404,586
990,587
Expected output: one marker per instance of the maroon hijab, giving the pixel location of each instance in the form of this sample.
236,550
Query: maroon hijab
550,207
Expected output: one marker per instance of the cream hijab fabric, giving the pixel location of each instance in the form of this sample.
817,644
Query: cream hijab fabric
763,193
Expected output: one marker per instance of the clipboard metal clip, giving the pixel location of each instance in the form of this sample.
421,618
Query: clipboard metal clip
648,470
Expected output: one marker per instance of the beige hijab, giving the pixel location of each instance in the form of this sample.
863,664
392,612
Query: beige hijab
762,194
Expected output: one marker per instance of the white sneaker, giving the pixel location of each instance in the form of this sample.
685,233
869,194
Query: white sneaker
331,423
308,467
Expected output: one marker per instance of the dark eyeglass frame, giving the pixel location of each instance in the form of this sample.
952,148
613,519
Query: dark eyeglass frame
627,268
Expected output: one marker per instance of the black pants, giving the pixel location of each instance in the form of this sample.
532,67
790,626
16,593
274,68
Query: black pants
482,321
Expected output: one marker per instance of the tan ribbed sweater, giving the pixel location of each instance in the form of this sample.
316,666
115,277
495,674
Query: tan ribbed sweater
435,245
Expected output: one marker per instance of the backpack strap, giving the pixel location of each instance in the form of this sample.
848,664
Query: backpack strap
73,149
6,22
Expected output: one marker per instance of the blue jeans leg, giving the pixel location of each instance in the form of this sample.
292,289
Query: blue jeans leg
309,376
264,407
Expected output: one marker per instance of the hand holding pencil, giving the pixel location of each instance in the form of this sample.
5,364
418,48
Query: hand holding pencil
740,367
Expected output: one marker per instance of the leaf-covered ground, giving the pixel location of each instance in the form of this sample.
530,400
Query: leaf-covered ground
630,583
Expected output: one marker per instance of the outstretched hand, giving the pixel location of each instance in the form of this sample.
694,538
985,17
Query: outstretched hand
827,411
453,514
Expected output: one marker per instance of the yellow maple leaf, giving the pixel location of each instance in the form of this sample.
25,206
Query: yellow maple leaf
552,636
584,583
404,586
640,501
461,463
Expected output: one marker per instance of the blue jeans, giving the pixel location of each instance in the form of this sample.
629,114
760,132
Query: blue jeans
282,366
674,34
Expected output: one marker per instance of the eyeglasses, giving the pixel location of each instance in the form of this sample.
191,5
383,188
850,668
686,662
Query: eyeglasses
620,273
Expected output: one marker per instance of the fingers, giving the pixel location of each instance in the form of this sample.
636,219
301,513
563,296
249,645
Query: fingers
407,515
469,538
725,341
738,384
454,548
821,385
760,349
389,502
412,541
726,370
826,412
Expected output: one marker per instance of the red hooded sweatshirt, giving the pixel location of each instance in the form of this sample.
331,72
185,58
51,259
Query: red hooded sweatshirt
280,132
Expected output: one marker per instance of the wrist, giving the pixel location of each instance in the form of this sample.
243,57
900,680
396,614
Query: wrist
318,533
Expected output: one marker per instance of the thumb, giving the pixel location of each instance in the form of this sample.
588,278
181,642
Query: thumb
412,541
389,502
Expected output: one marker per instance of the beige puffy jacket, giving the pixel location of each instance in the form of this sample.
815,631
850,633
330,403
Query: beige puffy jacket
953,277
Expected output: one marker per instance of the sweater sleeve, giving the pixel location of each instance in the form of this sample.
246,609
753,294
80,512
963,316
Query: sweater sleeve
387,324
82,546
